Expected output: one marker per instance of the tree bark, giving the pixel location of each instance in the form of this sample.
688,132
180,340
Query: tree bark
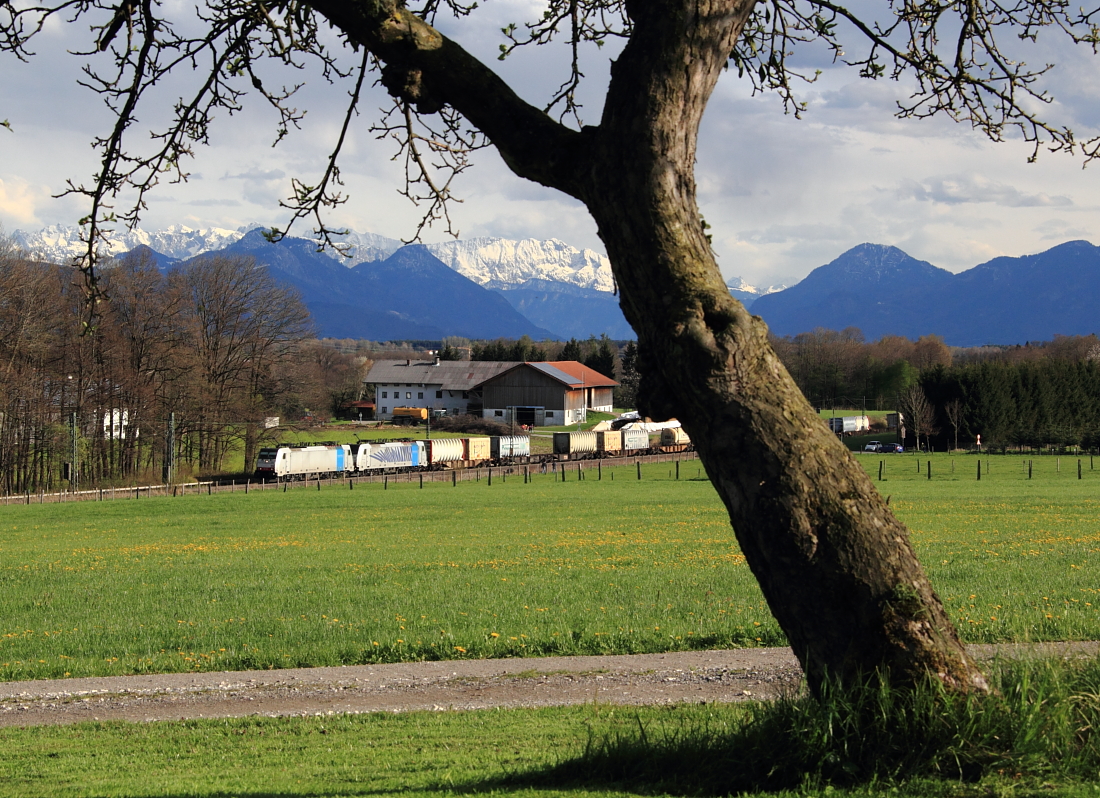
835,566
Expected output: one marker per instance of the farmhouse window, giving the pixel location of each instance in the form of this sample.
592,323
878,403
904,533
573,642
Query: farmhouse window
439,394
498,412
384,395
408,394
384,410
419,394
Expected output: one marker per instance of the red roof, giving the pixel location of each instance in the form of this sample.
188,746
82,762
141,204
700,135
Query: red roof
590,378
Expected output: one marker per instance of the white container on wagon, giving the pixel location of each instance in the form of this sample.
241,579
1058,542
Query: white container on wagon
503,446
634,439
446,450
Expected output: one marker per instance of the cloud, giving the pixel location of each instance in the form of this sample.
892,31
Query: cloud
1060,230
258,175
17,202
969,188
786,234
210,203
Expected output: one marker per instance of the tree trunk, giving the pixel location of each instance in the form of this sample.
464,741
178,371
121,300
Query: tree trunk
836,567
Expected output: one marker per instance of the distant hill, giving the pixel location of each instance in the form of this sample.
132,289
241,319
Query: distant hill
569,310
410,294
883,291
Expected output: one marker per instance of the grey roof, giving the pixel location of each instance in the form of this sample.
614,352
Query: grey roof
567,372
450,375
557,374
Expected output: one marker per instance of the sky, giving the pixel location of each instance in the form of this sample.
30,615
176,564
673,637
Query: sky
782,195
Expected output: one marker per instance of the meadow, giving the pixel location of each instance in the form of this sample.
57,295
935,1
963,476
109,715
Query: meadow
617,565
1030,737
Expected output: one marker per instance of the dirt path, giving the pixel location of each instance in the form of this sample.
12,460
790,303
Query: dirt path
694,676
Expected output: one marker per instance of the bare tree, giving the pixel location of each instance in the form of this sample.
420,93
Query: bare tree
241,322
835,565
954,412
918,413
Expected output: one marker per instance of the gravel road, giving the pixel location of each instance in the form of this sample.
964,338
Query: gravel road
692,676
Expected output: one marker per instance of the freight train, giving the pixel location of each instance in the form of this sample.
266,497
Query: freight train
284,462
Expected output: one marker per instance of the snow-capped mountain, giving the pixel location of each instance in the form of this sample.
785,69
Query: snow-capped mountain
62,244
748,294
364,248
499,263
489,262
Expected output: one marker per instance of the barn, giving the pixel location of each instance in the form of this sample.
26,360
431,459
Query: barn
447,387
546,394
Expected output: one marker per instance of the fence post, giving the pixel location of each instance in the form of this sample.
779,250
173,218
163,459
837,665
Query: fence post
1079,468
639,464
677,469
881,467
454,478
979,471
929,467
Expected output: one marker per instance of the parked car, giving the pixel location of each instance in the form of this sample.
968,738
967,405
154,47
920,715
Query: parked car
872,446
895,448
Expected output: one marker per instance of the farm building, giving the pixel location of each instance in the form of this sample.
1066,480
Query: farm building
546,394
449,386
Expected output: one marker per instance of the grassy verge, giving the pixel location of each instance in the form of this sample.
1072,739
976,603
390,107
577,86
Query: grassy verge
333,577
1036,737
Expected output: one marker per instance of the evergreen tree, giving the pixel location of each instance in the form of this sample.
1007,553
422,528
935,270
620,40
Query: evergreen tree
571,350
448,352
603,358
626,395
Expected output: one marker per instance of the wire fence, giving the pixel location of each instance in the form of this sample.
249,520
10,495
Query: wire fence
561,469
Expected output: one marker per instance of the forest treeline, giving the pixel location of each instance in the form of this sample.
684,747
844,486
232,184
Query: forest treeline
216,343
1028,395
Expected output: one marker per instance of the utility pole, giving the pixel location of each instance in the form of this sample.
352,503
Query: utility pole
72,440
170,450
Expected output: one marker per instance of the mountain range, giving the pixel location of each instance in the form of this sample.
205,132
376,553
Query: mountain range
883,291
490,287
552,289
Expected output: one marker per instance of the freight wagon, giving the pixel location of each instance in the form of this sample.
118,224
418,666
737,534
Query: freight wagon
674,439
609,442
635,439
504,447
575,444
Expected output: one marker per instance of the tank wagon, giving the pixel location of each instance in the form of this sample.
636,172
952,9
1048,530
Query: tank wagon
675,440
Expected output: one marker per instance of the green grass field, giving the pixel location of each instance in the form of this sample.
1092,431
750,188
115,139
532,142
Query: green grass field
344,576
321,577
1030,738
